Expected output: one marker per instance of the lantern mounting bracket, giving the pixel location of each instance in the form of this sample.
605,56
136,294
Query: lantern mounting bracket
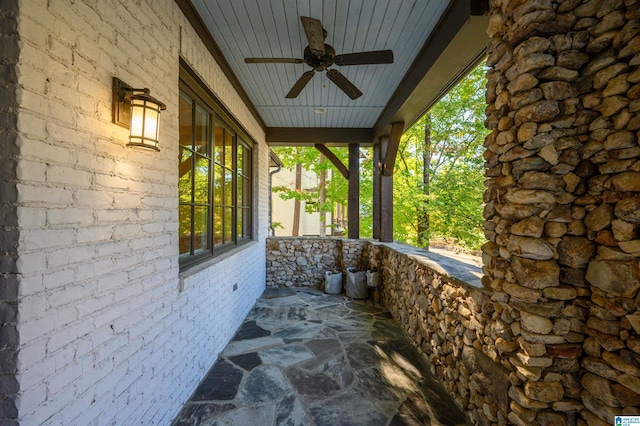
121,101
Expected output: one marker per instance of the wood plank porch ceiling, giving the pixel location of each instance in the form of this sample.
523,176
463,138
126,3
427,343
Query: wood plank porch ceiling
434,43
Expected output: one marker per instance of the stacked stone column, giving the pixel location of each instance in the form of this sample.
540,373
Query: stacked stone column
563,205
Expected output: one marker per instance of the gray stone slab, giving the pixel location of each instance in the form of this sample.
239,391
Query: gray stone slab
323,351
338,369
379,387
350,409
324,348
252,345
250,330
312,385
338,310
299,331
273,319
353,336
362,307
194,414
291,300
361,355
327,333
277,292
220,384
405,356
351,323
413,411
258,312
246,361
289,412
387,330
285,356
265,383
252,415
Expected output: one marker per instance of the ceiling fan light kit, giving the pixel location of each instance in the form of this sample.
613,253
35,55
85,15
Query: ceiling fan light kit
320,56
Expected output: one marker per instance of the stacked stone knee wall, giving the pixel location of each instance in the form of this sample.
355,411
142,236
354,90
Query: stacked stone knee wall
562,205
459,328
303,261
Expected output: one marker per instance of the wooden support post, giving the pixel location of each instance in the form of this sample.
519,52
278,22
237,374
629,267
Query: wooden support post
386,209
377,164
388,151
353,205
385,198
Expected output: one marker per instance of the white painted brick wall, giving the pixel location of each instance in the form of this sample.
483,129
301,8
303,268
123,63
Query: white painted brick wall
106,335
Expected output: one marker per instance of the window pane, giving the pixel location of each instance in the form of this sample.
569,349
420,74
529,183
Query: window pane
201,184
184,175
214,179
228,187
184,112
200,228
218,182
201,131
228,150
228,224
184,229
217,225
240,159
218,151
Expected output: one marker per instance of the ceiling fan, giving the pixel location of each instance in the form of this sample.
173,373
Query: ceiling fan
321,56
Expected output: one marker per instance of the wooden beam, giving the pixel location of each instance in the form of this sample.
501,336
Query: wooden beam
301,136
334,160
456,46
353,204
376,189
391,151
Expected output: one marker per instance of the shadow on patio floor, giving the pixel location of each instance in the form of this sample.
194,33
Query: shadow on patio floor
302,357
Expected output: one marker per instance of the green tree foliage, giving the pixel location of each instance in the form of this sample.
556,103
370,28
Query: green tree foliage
336,187
454,200
311,161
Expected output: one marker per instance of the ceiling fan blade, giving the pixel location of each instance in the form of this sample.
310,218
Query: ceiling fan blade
302,81
345,85
273,61
315,35
364,58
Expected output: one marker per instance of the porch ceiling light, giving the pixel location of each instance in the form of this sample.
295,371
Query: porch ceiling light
139,112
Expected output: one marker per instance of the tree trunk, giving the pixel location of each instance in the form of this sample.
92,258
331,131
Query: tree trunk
296,207
423,217
323,200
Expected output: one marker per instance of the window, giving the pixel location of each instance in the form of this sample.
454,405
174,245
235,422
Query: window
214,181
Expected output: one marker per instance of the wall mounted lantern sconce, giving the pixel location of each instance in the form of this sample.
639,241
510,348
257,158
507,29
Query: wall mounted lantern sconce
139,112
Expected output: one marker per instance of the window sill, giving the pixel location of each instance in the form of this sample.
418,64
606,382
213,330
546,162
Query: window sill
200,267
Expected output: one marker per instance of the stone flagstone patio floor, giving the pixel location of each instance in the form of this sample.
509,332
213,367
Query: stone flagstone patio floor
302,357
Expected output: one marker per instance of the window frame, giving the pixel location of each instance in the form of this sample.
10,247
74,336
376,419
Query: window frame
194,89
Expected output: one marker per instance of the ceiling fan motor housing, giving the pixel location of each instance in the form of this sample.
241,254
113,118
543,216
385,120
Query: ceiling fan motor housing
320,56
319,63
